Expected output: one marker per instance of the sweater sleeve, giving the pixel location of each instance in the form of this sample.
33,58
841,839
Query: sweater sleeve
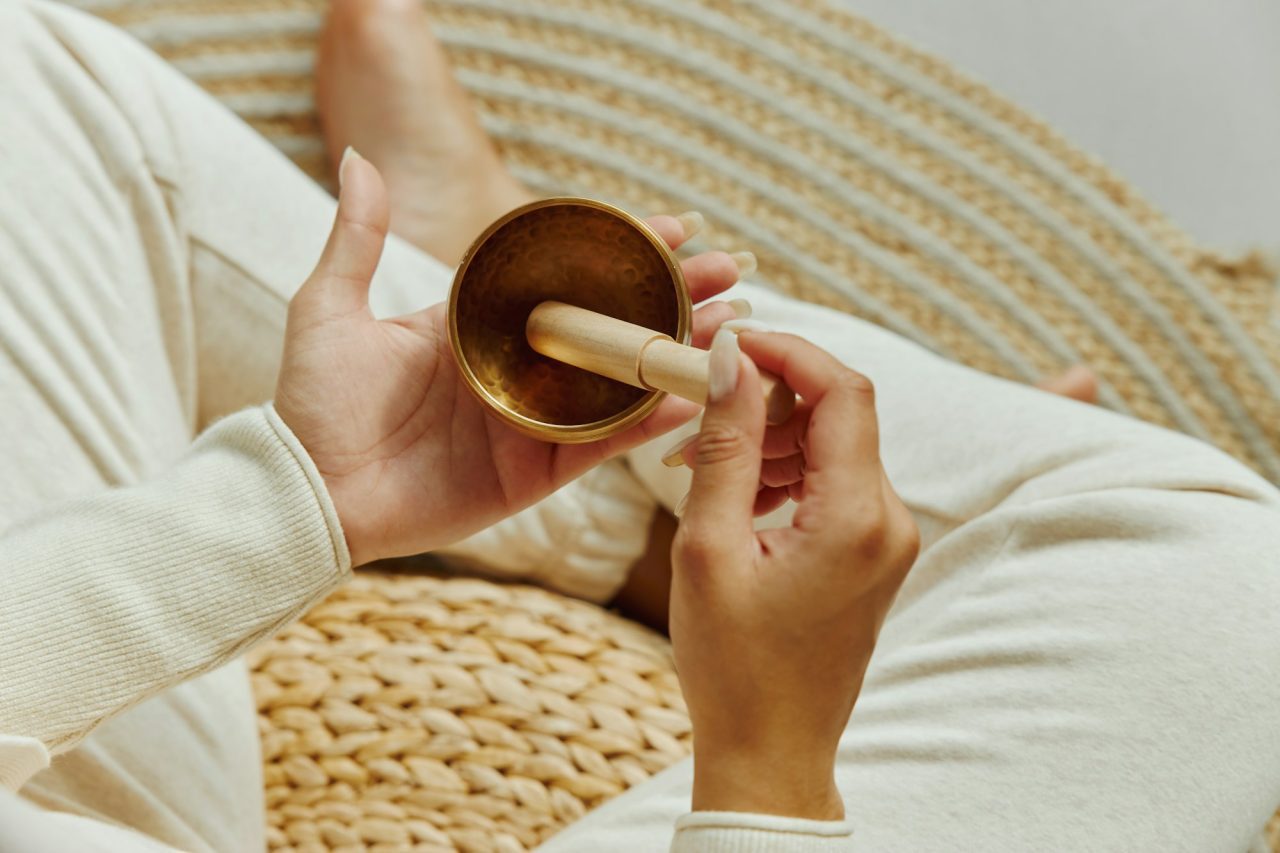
734,832
111,599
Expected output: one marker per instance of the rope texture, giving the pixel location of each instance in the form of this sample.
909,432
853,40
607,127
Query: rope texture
435,714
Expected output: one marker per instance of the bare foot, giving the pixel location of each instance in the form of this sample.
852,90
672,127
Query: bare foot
1078,383
383,86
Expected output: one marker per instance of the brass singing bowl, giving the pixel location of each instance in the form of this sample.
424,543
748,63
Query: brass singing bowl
577,251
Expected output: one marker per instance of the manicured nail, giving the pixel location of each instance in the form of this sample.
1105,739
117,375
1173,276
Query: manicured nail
746,262
680,505
342,164
741,307
739,326
674,457
722,375
692,222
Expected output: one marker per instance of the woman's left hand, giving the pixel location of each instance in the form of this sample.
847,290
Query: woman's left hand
411,458
773,630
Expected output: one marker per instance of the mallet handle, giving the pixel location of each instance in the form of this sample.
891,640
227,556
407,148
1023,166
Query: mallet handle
635,355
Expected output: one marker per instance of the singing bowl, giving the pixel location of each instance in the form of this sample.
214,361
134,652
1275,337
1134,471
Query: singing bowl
578,251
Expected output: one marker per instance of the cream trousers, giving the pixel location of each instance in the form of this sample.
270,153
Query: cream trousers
1084,658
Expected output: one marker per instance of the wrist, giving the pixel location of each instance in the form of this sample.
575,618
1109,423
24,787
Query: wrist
356,537
785,784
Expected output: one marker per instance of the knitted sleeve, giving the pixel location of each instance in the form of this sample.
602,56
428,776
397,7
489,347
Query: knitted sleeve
111,599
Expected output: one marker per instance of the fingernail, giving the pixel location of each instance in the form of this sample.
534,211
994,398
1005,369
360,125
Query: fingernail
746,262
674,457
342,164
722,375
739,326
680,505
741,307
692,222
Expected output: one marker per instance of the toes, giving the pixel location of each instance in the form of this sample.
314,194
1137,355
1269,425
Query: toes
354,17
1077,383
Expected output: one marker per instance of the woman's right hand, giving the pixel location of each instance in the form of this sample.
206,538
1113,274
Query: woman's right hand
773,631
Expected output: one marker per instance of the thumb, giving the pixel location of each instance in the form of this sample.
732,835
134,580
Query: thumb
718,511
340,282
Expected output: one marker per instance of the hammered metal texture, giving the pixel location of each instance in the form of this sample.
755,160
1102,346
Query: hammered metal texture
574,253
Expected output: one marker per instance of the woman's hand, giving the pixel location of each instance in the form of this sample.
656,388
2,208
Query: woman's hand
411,459
773,630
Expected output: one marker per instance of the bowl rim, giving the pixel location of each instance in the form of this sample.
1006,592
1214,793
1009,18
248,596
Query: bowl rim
568,433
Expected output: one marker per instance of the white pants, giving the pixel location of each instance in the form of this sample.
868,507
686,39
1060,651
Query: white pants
1084,657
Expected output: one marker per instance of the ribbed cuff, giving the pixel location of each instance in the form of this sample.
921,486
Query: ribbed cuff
320,492
113,598
737,832
582,540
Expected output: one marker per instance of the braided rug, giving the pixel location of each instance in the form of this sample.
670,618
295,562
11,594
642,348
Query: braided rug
457,714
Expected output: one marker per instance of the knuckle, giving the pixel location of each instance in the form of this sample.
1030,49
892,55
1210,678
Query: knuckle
867,530
374,228
858,385
887,537
869,538
720,442
694,548
794,341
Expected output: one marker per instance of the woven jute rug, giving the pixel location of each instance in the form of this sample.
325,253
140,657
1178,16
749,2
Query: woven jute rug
866,175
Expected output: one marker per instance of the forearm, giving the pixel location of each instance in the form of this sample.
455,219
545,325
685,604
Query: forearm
112,599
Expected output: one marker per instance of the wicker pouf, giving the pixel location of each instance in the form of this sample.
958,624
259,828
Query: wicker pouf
455,713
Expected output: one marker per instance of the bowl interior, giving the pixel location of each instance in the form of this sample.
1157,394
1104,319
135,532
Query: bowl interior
575,252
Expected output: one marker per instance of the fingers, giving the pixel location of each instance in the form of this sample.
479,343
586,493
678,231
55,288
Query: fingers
809,369
671,413
787,438
710,274
675,230
672,229
718,511
340,282
768,499
775,473
707,319
841,442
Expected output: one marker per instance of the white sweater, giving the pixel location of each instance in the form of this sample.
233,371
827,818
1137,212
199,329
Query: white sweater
114,598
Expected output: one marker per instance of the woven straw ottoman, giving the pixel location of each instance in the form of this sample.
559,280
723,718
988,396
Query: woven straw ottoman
449,713
433,713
